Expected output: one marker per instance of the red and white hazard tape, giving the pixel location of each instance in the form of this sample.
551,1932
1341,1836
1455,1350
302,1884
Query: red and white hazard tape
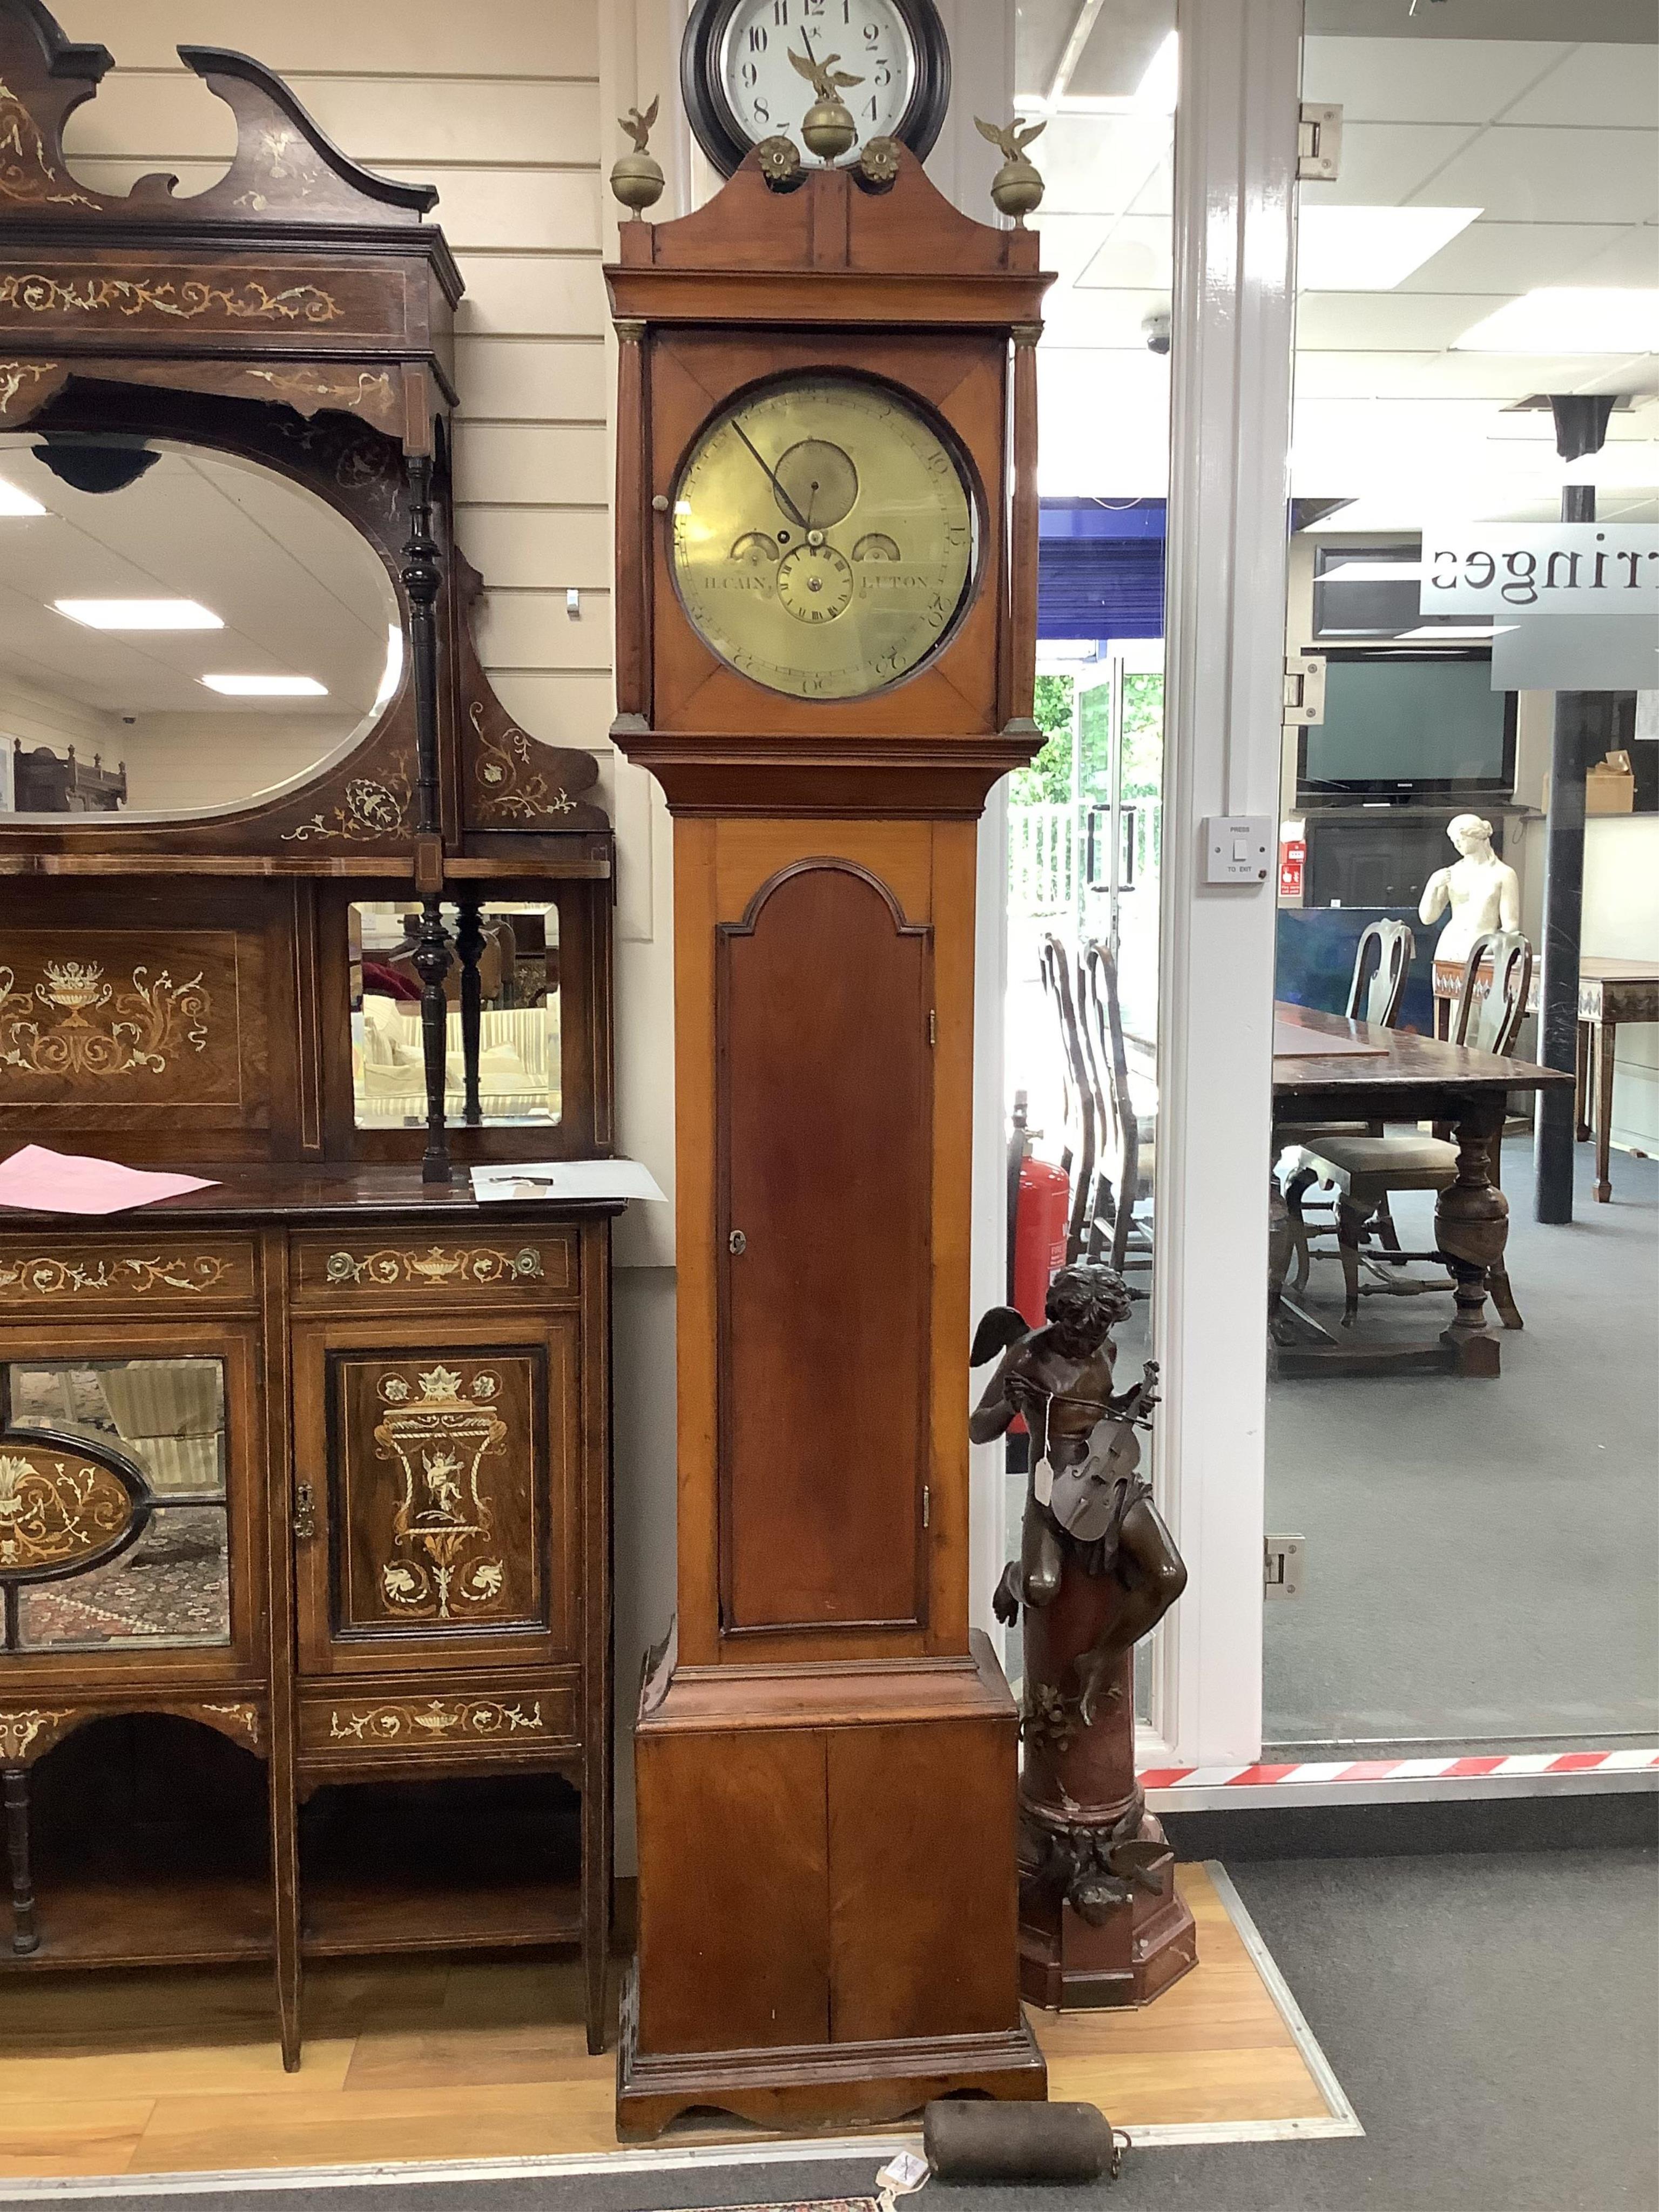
1170,1789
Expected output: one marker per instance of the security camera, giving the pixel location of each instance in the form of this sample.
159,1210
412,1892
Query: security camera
1155,329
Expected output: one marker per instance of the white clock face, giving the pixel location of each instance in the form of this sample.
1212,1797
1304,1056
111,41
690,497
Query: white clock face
769,96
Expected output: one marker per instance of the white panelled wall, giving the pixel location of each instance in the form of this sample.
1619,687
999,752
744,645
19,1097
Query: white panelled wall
509,108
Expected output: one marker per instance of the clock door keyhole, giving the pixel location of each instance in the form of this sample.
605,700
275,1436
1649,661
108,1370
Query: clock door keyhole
736,1242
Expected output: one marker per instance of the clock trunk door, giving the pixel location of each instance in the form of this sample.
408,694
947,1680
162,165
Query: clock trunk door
825,1158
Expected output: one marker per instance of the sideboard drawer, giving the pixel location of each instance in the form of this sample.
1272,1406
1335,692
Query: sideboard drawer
351,1273
355,1724
108,1274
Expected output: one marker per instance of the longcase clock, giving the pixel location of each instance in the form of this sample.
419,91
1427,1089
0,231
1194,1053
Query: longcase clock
826,607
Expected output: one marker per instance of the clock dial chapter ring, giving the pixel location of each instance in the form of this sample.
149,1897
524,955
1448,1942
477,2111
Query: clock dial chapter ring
847,605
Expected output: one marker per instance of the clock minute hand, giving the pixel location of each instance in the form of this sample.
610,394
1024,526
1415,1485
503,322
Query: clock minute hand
784,500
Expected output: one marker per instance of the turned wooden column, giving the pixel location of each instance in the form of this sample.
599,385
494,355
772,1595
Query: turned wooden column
26,1936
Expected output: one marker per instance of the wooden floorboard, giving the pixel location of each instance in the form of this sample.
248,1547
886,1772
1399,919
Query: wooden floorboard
175,2073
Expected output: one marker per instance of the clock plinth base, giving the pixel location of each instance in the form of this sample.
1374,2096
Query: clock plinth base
827,1893
821,2085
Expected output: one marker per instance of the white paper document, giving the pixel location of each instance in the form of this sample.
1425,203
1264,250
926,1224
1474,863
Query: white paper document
567,1179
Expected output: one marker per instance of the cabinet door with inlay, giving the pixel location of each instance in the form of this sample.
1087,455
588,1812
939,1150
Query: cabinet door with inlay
435,1505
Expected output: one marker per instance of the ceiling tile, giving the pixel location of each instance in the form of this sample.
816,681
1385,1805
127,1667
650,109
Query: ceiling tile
1530,174
1597,87
1507,257
1384,163
1412,81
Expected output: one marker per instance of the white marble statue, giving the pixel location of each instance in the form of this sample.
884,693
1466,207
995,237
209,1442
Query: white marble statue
1483,892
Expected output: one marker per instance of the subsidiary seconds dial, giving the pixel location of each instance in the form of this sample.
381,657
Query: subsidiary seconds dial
740,85
824,536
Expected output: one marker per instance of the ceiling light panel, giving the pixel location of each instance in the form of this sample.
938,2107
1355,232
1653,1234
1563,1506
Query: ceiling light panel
1570,319
267,687
139,614
1371,249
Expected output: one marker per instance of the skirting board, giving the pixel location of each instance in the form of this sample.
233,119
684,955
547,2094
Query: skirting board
1338,2120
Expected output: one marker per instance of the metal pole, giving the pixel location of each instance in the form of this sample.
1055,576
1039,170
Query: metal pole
1583,721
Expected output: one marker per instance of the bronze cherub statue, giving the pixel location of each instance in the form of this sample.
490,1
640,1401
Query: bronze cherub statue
1101,1922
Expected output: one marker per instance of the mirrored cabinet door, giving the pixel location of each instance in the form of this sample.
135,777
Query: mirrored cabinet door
124,1526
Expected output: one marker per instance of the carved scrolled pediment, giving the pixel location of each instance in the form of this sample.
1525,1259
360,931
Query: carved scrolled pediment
286,168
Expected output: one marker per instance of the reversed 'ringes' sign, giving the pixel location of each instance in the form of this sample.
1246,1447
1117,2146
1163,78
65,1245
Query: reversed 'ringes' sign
1541,569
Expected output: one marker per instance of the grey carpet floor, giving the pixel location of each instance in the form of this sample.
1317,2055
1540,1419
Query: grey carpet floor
1494,2019
1483,1556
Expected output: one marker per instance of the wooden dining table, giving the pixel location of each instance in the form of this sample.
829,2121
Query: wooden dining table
1329,1068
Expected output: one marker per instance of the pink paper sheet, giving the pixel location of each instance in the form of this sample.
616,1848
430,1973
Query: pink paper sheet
68,1182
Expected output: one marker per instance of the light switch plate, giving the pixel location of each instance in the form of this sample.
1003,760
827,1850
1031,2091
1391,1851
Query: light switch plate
1239,849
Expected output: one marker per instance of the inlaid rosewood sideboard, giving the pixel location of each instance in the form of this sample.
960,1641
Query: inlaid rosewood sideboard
367,1544
305,1609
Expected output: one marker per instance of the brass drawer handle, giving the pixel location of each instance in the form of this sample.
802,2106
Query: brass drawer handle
305,1512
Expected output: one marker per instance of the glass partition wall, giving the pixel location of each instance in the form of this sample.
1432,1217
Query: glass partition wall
1479,291
1084,818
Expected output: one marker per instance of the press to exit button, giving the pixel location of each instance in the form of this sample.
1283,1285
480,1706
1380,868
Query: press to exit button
1239,847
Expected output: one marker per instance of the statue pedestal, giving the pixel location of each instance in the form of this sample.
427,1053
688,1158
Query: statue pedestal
1069,1963
1101,1922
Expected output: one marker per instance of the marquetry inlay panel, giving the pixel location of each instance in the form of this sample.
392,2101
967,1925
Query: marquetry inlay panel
186,1273
117,1018
440,1492
58,1511
189,299
27,1731
353,1272
345,1725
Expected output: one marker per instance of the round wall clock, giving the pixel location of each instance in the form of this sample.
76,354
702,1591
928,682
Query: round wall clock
740,85
826,537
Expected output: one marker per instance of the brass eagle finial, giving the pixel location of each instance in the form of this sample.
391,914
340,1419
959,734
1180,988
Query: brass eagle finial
638,126
826,80
1011,139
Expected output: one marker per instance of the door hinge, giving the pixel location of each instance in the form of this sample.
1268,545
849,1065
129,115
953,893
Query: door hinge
1283,1566
1318,143
932,1025
927,1504
1305,688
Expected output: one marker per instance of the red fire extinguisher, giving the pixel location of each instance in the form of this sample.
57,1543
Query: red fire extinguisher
1040,1214
1292,858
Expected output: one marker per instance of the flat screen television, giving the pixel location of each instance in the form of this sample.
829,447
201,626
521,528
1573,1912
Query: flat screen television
1405,725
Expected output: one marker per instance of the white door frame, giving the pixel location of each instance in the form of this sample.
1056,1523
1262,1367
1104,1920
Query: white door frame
1232,341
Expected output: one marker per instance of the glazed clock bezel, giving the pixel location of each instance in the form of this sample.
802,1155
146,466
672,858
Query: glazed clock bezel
722,137
967,476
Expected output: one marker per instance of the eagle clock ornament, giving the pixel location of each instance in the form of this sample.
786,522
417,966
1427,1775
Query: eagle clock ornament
826,601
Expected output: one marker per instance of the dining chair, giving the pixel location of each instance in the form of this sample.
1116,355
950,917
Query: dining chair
1363,1170
1123,1171
1375,993
1077,1159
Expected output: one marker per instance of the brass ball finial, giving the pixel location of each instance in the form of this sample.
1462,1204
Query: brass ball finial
1016,188
827,128
636,179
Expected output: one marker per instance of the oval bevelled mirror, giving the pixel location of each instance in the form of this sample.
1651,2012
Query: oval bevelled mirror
182,632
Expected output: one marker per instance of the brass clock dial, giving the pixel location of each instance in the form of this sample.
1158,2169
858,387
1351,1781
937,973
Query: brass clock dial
825,539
